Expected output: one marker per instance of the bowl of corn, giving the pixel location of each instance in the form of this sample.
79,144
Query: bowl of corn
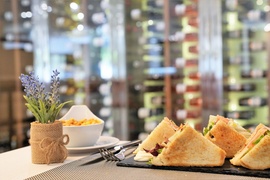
82,126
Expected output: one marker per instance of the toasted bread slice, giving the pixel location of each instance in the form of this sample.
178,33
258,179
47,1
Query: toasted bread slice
164,130
236,159
187,147
255,153
258,158
224,135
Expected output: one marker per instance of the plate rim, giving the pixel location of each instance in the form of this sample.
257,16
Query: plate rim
113,141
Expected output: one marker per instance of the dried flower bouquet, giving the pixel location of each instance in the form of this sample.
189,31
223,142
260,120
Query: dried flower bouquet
45,106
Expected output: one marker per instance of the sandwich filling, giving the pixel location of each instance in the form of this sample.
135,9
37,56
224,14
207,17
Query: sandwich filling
259,134
148,154
214,119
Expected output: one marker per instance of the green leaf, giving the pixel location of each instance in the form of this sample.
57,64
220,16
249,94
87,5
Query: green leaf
42,111
50,112
59,107
34,111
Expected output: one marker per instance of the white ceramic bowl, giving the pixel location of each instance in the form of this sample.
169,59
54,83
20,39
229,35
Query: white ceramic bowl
82,136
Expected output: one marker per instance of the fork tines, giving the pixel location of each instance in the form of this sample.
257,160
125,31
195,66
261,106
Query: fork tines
108,155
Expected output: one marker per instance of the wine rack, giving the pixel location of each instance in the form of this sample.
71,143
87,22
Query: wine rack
166,63
245,61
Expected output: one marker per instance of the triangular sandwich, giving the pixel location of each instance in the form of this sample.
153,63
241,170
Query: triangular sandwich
226,133
188,147
256,153
165,129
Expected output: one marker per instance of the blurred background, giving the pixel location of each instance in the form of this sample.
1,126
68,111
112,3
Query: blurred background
133,62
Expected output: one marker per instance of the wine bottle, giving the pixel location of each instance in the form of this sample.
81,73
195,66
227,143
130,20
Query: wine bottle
254,15
156,88
139,88
179,101
254,101
145,15
153,51
105,112
255,46
184,88
146,64
146,112
194,75
161,100
107,101
182,114
193,21
158,26
181,62
240,87
155,3
233,34
174,27
161,77
158,100
101,101
254,73
186,10
239,34
239,114
149,55
187,37
149,126
197,101
237,60
105,88
154,40
94,84
193,49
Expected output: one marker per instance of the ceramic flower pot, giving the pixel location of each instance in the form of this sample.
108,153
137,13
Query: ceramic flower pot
48,143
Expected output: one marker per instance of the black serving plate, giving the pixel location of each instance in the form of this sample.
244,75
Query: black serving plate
227,168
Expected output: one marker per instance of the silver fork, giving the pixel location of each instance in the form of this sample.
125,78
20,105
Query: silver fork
109,155
117,153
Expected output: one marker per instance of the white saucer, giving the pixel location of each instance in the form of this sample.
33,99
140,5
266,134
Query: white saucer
103,141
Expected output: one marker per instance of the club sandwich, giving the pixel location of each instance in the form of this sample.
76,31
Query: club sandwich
256,152
226,133
164,130
188,147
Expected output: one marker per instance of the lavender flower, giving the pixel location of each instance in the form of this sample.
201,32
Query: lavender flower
55,83
45,106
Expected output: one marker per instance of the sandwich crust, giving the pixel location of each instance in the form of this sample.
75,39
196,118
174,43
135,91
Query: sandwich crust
258,158
190,148
164,130
236,159
226,138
